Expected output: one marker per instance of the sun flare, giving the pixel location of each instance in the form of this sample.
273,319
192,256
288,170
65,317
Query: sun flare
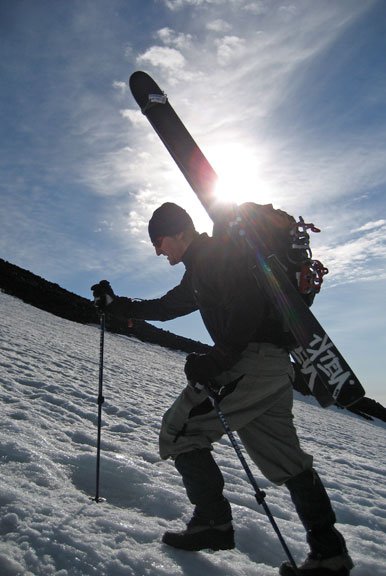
239,174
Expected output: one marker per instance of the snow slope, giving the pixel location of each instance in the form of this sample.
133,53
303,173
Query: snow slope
49,525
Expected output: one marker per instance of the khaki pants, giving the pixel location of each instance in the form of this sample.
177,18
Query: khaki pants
259,409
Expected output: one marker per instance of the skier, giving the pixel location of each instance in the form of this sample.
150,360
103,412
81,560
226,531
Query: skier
250,368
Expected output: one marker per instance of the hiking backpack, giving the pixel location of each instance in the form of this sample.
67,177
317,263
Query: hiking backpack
276,232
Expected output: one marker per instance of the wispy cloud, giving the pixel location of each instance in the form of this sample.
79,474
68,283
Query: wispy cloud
358,256
164,57
371,226
230,49
172,38
219,25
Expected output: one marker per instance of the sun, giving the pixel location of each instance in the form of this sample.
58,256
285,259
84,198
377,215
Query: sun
239,175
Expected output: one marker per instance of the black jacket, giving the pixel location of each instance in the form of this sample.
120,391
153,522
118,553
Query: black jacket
216,282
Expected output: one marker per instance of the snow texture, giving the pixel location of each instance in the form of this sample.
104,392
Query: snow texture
50,526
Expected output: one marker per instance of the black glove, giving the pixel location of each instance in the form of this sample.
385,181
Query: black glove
201,369
103,294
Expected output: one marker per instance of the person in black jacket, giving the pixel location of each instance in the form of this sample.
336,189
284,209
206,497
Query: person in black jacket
250,368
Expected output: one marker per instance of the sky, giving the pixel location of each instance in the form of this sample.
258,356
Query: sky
286,99
49,523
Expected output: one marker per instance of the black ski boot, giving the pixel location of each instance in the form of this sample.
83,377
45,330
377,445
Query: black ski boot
211,525
328,553
199,536
313,566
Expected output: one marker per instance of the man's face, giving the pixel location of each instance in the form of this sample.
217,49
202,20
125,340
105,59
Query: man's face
173,247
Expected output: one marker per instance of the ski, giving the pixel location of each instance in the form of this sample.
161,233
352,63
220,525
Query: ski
326,372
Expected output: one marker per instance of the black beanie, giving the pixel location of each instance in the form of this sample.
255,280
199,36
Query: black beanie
168,220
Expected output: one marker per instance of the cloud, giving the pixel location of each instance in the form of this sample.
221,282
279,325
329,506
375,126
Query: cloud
328,170
371,226
134,116
229,49
177,4
172,38
357,259
164,57
257,7
120,86
218,25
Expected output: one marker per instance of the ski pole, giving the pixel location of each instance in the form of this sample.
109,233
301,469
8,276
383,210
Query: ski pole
100,401
259,494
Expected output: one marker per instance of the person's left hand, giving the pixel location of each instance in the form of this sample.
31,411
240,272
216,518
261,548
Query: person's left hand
103,295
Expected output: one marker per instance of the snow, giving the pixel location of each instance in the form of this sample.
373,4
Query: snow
50,525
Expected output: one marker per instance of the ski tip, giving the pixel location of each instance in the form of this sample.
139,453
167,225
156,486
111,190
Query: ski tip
142,80
137,75
136,79
142,85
